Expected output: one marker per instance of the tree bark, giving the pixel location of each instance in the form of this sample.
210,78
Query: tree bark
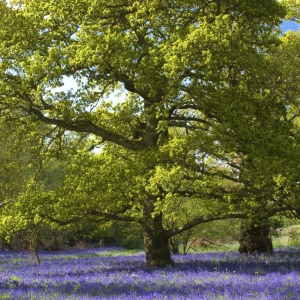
255,238
155,239
174,245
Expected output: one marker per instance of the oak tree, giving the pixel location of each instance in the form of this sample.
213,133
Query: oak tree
192,77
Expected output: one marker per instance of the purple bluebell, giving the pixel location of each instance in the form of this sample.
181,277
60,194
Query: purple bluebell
102,274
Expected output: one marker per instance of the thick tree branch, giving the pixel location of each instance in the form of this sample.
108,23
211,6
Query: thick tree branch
201,220
93,213
89,127
66,222
115,217
189,119
211,218
181,124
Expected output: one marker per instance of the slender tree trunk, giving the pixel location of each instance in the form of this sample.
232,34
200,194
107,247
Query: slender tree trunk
155,239
56,245
255,238
36,254
174,245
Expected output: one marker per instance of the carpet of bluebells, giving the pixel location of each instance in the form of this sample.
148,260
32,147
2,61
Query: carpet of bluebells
110,273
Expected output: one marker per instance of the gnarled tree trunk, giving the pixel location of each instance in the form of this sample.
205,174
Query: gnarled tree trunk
155,239
255,238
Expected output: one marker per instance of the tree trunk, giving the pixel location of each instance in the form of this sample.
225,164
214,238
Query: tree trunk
174,245
155,239
255,238
156,246
56,244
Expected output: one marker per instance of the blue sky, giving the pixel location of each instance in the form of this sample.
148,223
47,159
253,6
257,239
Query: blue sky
290,25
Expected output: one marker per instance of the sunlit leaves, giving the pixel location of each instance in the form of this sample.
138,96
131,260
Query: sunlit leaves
293,11
199,125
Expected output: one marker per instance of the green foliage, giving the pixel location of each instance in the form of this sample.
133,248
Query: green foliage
292,7
201,133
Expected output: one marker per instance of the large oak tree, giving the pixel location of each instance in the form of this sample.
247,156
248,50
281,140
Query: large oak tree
193,70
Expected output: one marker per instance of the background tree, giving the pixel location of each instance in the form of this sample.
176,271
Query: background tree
281,190
22,165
